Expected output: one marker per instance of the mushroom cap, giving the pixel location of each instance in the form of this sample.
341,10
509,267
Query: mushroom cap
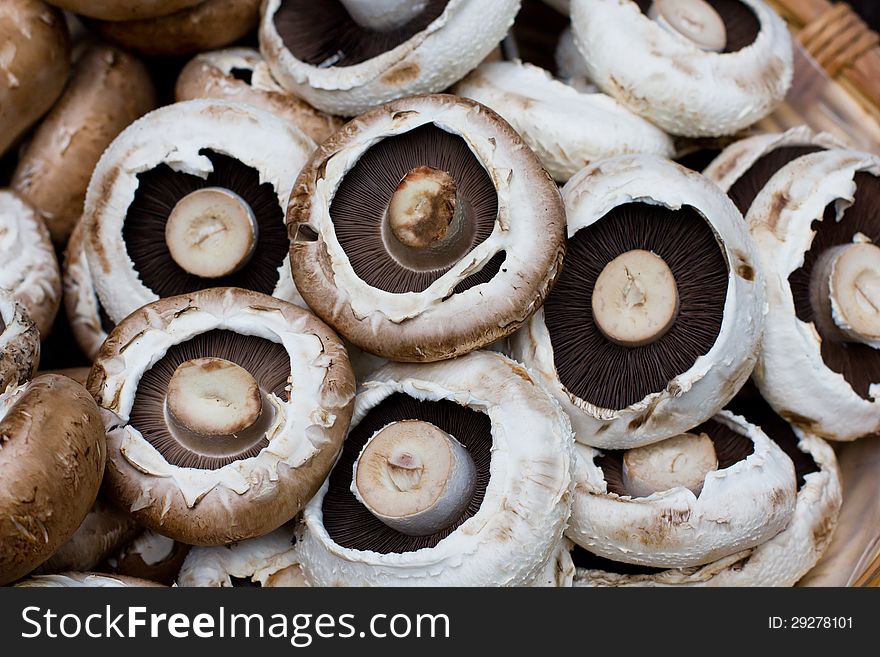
567,129
519,524
247,497
78,374
52,460
269,561
214,75
109,89
123,10
428,62
176,135
81,304
87,580
559,570
570,65
739,507
19,343
149,556
35,61
670,81
698,393
195,28
436,323
30,270
791,372
779,561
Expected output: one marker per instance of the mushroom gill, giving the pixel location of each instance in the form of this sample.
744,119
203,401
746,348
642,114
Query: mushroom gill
401,252
162,190
196,441
607,373
747,187
740,23
351,524
324,34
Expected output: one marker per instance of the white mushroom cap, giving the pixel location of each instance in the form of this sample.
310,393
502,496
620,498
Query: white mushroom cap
269,561
779,561
30,270
80,299
519,524
791,372
84,580
175,135
428,62
567,129
698,393
570,66
559,571
670,81
19,343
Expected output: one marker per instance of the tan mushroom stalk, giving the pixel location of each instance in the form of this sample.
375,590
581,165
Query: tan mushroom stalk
51,464
816,229
109,89
86,317
189,197
34,63
656,320
30,270
242,75
411,236
731,61
19,343
224,409
85,580
123,10
392,49
369,523
149,556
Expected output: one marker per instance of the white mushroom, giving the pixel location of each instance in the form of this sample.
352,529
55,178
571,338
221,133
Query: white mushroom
566,128
150,231
87,319
816,230
625,375
520,443
437,43
19,343
570,66
696,68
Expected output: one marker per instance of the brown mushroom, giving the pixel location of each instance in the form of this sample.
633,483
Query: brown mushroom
85,580
150,556
19,343
123,10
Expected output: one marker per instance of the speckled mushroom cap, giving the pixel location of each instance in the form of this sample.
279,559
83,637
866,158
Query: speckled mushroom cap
433,50
30,270
242,75
303,374
88,323
780,561
473,299
268,561
745,166
567,129
507,537
749,499
674,84
815,380
652,199
51,463
85,580
19,343
162,158
123,10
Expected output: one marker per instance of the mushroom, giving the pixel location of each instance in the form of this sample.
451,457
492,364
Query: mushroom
123,10
656,319
570,66
78,374
87,318
347,56
19,343
559,571
189,197
208,25
476,433
413,237
713,491
242,75
566,128
224,409
267,561
34,63
562,6
52,453
149,556
109,89
817,231
695,68
30,270
744,167
85,580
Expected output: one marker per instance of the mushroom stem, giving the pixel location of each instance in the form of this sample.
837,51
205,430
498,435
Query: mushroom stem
414,477
383,15
423,208
683,460
845,293
695,20
211,232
